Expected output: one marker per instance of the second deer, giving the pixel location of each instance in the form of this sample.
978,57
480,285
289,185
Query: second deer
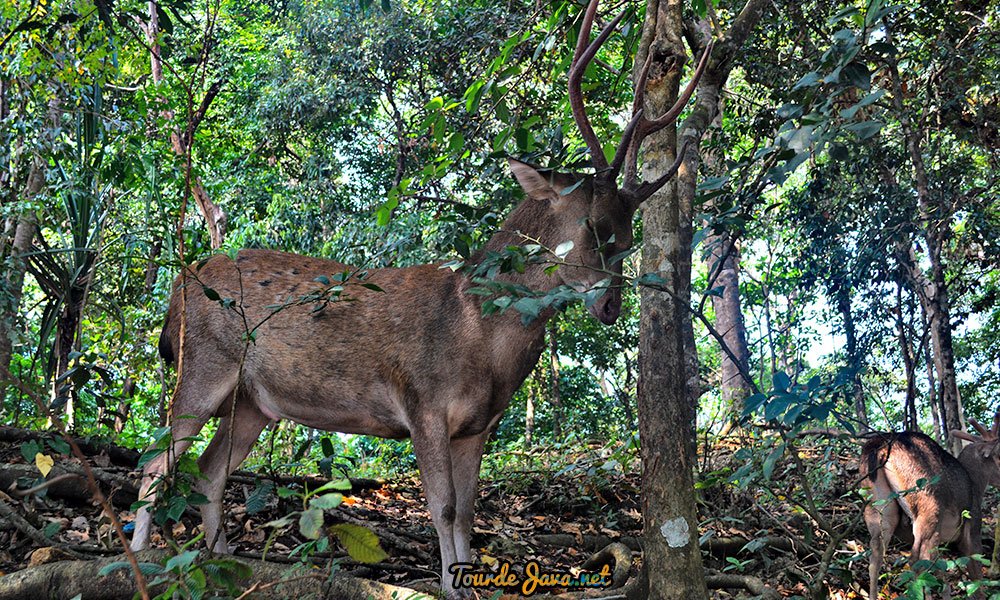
920,490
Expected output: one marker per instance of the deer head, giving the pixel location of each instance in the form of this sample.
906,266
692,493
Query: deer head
596,213
985,449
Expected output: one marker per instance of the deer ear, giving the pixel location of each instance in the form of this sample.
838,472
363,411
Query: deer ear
547,185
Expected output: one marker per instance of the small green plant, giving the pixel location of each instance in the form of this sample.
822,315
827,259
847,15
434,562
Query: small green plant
360,542
187,577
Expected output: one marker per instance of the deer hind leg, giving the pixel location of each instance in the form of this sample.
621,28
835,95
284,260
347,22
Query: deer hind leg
970,542
432,448
926,539
187,422
466,458
239,428
882,521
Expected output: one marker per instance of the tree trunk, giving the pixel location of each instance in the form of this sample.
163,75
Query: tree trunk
857,397
906,351
672,566
556,397
668,387
13,281
725,260
215,217
935,221
529,416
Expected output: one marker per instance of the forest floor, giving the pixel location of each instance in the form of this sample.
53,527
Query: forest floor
558,519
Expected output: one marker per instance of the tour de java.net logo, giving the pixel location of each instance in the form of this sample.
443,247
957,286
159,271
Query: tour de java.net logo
534,578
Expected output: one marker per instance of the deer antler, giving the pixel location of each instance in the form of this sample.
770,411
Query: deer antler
638,126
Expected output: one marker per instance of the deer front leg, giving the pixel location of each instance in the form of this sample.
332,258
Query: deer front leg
431,446
195,401
233,440
466,458
881,521
969,543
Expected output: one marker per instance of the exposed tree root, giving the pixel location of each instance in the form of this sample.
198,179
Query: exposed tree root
751,584
68,578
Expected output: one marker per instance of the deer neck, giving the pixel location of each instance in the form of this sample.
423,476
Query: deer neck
973,464
531,222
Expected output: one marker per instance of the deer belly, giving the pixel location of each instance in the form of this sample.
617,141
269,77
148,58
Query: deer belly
348,413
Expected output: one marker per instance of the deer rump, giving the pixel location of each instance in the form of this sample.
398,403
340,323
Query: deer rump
913,479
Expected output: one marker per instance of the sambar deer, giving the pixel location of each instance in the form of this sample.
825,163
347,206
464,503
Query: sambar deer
920,490
413,359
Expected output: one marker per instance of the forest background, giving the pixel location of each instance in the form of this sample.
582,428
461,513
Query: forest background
843,228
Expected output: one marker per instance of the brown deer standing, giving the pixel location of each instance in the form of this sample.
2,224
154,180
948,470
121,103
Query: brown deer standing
932,512
416,359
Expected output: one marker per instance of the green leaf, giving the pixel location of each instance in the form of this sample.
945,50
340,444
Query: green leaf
211,294
810,79
858,75
284,492
865,129
473,96
781,381
359,542
774,408
51,529
341,483
772,460
311,522
257,500
182,561
752,403
327,501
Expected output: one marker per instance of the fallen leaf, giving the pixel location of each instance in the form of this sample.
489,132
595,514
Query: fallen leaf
44,463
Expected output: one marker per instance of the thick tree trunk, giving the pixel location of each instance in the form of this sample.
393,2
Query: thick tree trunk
267,580
672,566
668,386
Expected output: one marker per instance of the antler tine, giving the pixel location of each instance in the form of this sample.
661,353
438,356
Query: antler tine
635,195
581,58
983,432
628,150
996,424
682,100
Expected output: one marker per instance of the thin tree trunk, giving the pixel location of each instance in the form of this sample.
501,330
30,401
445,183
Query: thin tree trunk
529,415
725,256
909,365
215,217
24,235
556,395
152,265
857,397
